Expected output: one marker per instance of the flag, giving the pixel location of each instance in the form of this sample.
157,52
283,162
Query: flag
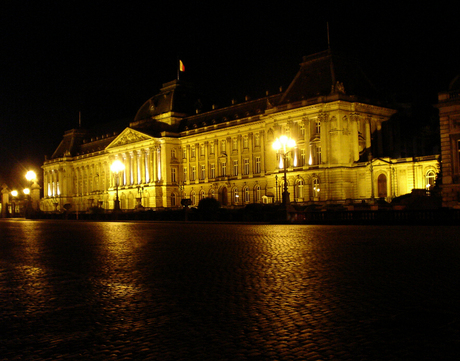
181,66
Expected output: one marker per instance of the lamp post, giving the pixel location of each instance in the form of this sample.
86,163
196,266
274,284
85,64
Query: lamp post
283,146
31,176
117,167
14,194
140,191
26,191
276,188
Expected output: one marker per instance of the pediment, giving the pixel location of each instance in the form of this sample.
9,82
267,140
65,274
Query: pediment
128,136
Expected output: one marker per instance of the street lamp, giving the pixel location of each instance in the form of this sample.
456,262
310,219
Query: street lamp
117,167
283,146
14,194
31,176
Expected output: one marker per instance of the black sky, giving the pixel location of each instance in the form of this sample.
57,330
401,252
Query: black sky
106,59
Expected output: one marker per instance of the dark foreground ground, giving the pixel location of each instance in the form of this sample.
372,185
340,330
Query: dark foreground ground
181,291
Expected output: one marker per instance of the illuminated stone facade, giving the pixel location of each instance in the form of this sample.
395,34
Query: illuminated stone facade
173,149
449,118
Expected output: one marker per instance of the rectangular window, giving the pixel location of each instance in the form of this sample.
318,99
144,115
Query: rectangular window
203,171
193,175
222,146
302,131
245,142
235,167
302,157
184,153
318,155
212,171
173,175
223,169
257,166
211,147
193,151
185,174
246,167
235,144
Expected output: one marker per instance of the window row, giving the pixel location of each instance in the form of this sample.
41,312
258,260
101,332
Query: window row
222,145
223,171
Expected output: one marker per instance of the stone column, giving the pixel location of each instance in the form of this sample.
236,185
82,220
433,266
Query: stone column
262,153
141,155
368,132
251,153
240,160
355,138
154,164
206,162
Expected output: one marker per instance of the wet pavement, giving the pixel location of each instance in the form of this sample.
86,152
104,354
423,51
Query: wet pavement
183,291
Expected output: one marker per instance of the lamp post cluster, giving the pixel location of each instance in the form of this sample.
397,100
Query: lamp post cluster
284,146
21,201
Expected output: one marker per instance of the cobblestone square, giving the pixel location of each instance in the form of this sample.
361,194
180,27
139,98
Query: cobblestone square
185,291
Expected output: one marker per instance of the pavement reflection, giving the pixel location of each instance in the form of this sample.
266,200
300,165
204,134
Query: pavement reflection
127,290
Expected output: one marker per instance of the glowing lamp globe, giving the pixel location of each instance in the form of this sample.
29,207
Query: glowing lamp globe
30,175
117,166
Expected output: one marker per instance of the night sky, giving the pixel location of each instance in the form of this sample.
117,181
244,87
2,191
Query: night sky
106,59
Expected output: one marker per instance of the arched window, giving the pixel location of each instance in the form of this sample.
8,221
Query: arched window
193,198
123,201
257,194
246,195
299,189
224,195
173,200
430,179
130,201
235,196
211,193
316,187
200,195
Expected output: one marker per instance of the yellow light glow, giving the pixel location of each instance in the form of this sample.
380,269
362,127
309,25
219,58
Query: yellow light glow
14,193
30,175
117,166
283,142
26,191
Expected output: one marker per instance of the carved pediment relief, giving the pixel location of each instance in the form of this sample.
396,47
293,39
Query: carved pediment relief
128,136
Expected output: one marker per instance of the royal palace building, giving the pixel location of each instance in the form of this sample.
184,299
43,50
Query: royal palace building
174,149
